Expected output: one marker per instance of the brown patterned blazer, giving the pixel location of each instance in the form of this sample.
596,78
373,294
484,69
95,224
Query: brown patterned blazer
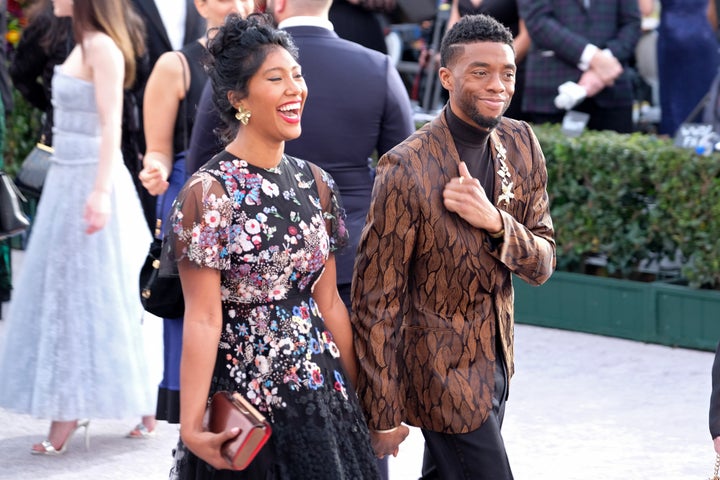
428,287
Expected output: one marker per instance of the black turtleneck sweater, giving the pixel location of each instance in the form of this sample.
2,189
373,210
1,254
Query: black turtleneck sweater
473,146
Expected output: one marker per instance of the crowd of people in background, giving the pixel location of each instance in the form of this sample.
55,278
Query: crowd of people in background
310,264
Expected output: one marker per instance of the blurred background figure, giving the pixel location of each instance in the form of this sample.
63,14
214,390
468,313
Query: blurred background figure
170,24
507,13
687,56
73,345
590,43
172,94
46,41
362,21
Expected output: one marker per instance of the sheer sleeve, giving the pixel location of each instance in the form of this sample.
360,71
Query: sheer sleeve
199,228
333,210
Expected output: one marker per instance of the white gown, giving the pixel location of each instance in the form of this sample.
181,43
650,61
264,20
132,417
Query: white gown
73,344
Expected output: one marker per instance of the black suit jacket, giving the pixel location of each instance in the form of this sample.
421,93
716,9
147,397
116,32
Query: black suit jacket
157,39
356,104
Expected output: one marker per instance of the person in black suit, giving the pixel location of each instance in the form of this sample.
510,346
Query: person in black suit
357,106
158,41
362,21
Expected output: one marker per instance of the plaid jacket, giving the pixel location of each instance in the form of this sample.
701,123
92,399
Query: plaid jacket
431,292
560,30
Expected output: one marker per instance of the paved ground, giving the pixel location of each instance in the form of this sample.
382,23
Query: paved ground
581,407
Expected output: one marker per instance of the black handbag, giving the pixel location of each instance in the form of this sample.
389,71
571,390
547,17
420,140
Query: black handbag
160,295
34,168
12,217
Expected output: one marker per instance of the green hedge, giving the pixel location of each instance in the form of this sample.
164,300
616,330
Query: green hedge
631,198
22,131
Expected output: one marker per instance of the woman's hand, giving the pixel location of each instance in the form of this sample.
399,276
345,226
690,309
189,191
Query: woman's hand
97,211
207,445
154,177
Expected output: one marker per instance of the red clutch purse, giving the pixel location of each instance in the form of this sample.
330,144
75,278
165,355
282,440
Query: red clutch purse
229,410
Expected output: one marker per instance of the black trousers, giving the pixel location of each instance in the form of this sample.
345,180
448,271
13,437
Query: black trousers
617,119
477,455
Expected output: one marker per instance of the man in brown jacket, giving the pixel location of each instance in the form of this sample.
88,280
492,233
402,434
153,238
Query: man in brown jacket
457,208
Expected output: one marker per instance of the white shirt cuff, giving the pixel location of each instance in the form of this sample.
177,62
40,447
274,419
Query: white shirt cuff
587,55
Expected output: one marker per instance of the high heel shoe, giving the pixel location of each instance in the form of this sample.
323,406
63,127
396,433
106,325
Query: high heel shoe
47,446
141,431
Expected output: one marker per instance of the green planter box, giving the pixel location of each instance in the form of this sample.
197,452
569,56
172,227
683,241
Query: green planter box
648,312
687,317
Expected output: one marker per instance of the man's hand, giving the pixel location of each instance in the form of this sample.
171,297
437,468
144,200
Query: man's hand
606,66
716,444
388,443
466,197
591,82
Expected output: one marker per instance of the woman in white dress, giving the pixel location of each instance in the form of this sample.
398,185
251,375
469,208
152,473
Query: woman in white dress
73,346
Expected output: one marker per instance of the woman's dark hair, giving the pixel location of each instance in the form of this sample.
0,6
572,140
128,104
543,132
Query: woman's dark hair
57,30
472,29
237,50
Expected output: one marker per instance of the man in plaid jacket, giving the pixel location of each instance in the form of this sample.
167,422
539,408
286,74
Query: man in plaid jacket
589,42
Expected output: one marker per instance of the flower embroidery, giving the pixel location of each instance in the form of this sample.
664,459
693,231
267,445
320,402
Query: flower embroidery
504,173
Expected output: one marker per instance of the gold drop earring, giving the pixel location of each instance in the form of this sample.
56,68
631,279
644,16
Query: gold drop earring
243,115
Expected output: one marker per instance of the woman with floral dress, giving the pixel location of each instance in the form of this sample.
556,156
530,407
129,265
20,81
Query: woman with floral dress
252,234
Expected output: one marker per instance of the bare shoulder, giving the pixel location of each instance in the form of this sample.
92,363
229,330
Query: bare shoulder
169,64
100,47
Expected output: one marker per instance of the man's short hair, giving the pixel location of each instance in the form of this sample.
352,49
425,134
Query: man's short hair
472,29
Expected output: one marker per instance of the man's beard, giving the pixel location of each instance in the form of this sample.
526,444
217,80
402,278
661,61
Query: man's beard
483,121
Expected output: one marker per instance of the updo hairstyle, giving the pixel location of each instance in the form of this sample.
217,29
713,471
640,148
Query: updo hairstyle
236,52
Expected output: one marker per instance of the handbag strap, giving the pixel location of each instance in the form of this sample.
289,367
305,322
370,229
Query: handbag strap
717,468
184,102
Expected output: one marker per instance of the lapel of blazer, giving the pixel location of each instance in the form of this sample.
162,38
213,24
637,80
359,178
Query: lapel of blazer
443,138
152,15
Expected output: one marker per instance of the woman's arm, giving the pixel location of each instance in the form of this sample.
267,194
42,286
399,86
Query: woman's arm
336,317
201,335
454,16
164,91
107,69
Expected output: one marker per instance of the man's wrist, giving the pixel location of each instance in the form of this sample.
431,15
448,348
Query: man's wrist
587,56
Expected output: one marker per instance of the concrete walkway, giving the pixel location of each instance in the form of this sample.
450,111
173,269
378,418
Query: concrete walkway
581,407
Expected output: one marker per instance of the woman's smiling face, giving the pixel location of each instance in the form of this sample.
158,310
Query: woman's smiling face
276,95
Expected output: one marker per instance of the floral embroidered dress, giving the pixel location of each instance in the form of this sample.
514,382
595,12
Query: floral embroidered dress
267,233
